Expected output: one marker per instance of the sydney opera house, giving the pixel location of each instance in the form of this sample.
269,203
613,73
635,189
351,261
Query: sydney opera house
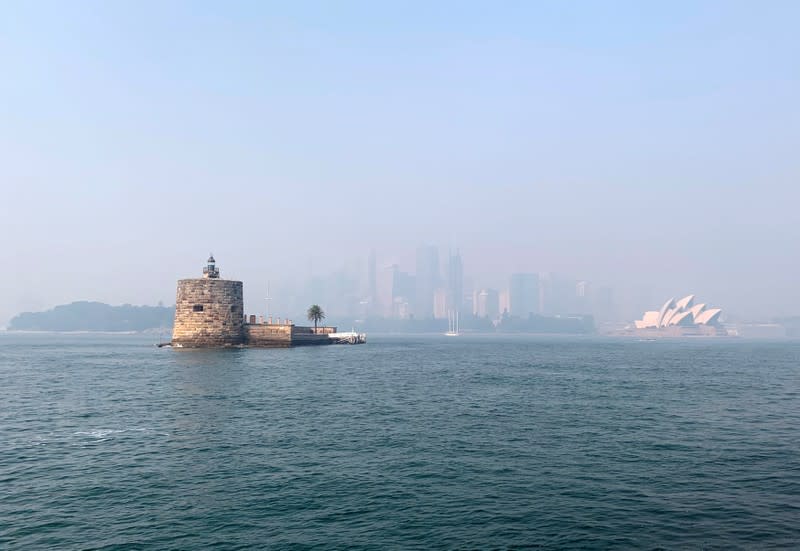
682,317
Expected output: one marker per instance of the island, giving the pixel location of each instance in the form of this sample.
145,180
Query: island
95,316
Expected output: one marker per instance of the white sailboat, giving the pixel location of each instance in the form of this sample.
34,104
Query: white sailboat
452,324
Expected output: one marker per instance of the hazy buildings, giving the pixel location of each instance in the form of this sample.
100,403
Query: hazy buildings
557,294
427,281
487,304
523,291
384,290
583,298
372,277
603,307
401,309
455,283
505,303
440,303
404,287
396,292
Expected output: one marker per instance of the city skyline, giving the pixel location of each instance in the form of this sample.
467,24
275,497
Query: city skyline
378,285
435,289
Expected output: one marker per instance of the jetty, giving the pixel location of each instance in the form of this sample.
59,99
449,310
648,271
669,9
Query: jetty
349,337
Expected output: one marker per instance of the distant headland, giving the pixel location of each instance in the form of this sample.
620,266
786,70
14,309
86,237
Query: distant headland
95,316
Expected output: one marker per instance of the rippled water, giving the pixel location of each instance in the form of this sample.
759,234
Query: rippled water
412,442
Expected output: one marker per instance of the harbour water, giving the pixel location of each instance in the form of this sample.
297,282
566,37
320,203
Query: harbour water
407,442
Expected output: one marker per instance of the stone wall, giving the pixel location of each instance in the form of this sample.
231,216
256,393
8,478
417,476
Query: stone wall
305,336
274,335
208,313
268,335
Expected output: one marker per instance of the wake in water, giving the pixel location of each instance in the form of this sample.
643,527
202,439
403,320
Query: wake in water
100,435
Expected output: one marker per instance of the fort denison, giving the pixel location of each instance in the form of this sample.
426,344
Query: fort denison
209,313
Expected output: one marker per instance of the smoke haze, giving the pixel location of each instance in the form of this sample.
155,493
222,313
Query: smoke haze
648,148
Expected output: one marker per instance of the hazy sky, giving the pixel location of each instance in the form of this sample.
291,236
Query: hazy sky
647,145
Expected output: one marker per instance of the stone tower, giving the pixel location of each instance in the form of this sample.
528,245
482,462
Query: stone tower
209,311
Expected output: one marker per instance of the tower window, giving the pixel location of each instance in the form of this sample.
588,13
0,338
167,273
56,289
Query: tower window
197,308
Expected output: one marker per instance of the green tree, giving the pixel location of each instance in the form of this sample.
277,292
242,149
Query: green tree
315,314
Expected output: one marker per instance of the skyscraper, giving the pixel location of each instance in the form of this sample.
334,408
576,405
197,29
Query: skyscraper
557,294
396,291
583,298
427,281
404,287
603,304
372,276
455,283
385,289
440,304
504,303
488,304
523,292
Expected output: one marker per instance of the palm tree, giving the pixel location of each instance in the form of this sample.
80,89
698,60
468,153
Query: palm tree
315,314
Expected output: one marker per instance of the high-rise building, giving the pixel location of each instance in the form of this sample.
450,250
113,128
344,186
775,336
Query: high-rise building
385,282
372,283
557,294
603,304
505,304
583,298
523,291
427,281
488,304
401,309
404,287
395,290
455,283
440,303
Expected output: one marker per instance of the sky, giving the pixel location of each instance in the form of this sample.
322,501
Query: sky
650,146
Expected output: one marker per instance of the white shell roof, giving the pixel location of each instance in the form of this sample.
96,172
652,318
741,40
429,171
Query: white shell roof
680,317
650,319
685,302
667,305
684,312
696,309
709,316
668,316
